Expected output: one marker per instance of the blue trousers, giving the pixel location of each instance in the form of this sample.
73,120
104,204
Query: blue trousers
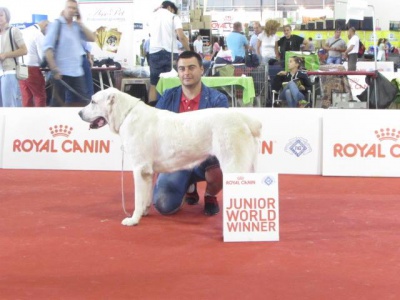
291,94
171,188
10,95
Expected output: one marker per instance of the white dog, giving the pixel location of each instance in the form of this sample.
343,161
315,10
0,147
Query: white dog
160,141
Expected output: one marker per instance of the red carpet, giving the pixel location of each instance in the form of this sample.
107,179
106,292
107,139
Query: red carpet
61,238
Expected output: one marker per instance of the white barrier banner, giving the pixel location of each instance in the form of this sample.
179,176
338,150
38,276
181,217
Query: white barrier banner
2,131
291,140
361,143
57,138
251,207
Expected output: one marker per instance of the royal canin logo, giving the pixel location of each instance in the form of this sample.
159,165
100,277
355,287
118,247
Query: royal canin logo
61,143
372,150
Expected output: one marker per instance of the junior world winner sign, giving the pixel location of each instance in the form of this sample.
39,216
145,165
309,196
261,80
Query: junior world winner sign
251,207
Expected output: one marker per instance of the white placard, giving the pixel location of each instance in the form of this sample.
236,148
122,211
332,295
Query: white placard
57,138
251,207
361,143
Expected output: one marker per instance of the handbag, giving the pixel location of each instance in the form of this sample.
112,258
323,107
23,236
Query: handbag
21,70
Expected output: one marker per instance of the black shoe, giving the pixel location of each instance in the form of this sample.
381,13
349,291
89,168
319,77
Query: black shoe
211,206
192,198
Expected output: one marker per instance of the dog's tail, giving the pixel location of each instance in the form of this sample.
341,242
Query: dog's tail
254,125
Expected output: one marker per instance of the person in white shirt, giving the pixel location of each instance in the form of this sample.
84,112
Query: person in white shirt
198,45
267,40
164,27
33,89
352,49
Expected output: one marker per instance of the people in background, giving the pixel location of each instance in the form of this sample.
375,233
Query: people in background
33,89
335,47
382,48
215,47
237,43
352,49
164,28
224,56
310,45
267,40
257,29
142,53
172,189
298,84
146,50
66,61
198,45
10,94
289,42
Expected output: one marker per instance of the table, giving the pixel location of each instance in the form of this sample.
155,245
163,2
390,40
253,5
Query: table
246,83
107,70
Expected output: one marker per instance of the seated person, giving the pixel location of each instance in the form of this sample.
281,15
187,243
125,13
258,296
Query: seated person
298,83
224,56
171,188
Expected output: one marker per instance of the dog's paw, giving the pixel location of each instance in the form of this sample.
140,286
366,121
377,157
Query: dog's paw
130,221
146,211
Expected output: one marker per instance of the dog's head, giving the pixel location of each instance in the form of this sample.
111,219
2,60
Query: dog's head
108,106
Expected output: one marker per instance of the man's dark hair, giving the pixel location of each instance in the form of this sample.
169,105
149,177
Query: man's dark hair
190,54
167,4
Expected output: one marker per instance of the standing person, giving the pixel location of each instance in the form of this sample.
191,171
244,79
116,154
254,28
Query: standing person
64,54
87,65
352,49
198,45
267,40
142,53
237,43
289,42
381,50
146,47
335,47
33,89
298,83
10,93
215,47
164,28
171,189
254,37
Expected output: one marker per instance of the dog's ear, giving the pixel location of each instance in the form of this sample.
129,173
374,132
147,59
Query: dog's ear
111,98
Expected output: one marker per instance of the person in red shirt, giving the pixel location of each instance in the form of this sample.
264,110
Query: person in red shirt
173,189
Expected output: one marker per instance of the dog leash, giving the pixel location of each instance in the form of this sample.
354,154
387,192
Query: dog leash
122,183
72,90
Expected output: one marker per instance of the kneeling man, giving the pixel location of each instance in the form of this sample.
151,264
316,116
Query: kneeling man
172,189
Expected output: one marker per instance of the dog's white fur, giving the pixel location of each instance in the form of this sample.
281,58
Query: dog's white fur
162,141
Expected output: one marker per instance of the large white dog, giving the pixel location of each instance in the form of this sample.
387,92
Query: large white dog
159,141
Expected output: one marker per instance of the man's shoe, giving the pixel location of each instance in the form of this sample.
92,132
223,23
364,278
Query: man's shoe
192,198
211,206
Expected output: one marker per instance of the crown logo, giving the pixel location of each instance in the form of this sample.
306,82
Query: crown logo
240,178
60,130
388,134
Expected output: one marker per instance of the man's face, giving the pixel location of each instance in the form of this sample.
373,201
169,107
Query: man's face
71,9
349,34
257,28
287,31
337,34
189,71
